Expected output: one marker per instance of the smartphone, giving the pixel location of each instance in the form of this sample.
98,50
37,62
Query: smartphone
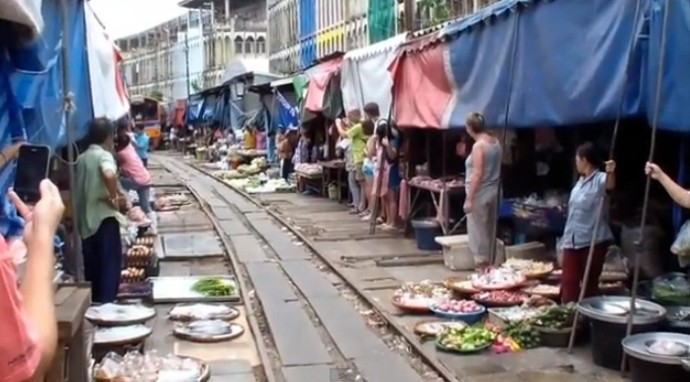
33,164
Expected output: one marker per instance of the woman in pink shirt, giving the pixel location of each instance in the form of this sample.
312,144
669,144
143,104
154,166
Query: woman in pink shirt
28,323
134,176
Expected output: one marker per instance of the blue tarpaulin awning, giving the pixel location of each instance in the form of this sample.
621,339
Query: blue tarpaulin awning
569,62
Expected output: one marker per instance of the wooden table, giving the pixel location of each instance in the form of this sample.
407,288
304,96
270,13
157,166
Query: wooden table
72,357
333,173
316,181
439,200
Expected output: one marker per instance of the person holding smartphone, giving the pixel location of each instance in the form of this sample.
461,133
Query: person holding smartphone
28,322
96,206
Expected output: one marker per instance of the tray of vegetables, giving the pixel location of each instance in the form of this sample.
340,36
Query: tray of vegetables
174,289
418,297
471,339
555,325
500,298
524,333
467,311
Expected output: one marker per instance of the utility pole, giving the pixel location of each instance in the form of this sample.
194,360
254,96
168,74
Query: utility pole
186,53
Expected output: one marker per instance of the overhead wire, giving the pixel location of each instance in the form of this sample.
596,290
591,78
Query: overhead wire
612,149
652,149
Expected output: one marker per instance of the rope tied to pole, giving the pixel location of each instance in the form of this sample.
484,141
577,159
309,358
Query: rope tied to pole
68,102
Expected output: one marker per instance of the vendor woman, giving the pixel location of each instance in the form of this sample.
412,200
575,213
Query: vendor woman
579,227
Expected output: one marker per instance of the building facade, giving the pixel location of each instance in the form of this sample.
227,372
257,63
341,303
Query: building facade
189,53
303,31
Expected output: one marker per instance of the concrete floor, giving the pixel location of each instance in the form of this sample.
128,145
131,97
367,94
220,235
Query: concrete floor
337,234
229,361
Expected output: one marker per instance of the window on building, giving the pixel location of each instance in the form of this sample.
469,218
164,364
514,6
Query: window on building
249,45
261,45
239,45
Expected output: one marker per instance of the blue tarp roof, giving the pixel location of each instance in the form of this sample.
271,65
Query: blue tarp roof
31,104
570,62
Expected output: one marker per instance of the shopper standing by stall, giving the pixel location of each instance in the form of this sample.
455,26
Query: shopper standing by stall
482,175
386,164
133,174
96,203
141,143
28,322
585,196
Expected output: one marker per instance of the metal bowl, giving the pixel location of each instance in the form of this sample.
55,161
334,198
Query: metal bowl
642,346
615,309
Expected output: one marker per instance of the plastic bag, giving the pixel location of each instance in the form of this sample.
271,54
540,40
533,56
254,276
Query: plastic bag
615,261
681,245
651,246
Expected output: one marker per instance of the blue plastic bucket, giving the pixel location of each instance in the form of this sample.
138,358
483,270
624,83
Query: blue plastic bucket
425,233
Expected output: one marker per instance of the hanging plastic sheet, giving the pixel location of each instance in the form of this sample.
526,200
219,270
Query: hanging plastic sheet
421,89
319,78
32,91
365,77
570,63
333,99
674,113
287,116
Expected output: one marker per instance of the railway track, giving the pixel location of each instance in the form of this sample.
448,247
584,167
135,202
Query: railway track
345,361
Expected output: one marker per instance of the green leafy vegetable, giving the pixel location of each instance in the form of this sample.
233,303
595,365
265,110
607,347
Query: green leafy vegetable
214,287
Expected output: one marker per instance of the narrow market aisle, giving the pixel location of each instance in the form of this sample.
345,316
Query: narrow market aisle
379,264
315,328
189,247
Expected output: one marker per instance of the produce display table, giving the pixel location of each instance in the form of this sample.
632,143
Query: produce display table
439,199
334,173
314,181
71,357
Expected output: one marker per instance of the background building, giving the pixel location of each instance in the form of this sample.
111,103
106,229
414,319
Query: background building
192,51
302,31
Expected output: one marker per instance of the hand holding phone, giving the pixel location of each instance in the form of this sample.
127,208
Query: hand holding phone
33,164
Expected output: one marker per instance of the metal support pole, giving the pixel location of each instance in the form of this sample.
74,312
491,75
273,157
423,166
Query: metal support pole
71,154
186,54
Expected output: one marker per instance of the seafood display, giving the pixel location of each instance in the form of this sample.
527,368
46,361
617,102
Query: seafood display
309,168
135,367
208,330
529,268
460,286
497,279
420,295
194,312
436,184
119,313
458,306
543,290
500,298
121,334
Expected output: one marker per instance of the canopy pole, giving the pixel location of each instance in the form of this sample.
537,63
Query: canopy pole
652,147
604,197
511,73
68,104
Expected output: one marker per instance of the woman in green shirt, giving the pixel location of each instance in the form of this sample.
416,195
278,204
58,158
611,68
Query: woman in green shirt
358,141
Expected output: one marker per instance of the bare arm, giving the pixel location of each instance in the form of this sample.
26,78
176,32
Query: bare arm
477,170
36,289
340,125
677,193
610,181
